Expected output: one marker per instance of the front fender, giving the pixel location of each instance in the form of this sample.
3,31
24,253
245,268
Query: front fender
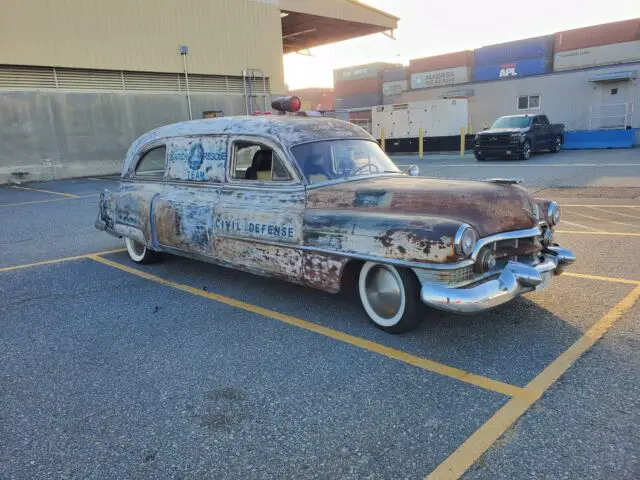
412,238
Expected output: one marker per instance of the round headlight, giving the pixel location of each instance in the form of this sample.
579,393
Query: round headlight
465,240
553,214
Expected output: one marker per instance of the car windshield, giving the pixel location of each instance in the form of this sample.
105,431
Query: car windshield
512,122
331,159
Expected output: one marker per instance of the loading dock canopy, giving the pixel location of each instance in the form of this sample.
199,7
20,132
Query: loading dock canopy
615,76
311,23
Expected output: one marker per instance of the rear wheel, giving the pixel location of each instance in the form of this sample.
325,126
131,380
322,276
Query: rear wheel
478,156
390,296
557,144
525,153
139,253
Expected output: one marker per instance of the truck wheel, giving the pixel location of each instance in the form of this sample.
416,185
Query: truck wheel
557,144
478,156
390,296
139,253
525,153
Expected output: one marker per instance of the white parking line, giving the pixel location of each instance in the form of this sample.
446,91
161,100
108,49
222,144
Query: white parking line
579,225
613,213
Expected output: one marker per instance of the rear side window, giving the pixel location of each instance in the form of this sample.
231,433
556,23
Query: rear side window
197,159
152,163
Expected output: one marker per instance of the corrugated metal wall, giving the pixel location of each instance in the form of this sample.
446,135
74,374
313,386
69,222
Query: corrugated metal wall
224,37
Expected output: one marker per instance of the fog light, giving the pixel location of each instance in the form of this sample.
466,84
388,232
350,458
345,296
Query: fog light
547,237
485,262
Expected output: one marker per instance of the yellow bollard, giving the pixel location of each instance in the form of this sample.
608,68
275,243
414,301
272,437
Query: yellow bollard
462,130
469,128
420,143
382,138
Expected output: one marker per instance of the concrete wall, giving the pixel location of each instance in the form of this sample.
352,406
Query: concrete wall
566,97
53,135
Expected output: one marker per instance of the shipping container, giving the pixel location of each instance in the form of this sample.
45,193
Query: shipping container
360,115
391,99
441,62
508,52
597,35
437,118
357,72
358,101
323,97
363,85
595,56
447,76
517,69
394,88
394,74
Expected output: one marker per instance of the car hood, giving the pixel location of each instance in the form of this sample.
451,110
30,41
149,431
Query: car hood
494,131
489,207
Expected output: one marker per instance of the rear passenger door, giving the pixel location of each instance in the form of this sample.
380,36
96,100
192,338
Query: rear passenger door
182,212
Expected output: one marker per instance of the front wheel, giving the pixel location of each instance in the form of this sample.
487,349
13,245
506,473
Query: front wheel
557,144
390,296
139,253
525,153
478,156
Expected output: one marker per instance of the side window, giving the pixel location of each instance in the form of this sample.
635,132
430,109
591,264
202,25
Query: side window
197,159
544,120
536,122
152,163
253,161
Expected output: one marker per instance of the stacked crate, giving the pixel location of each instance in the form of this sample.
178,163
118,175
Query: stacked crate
394,82
359,86
532,56
606,44
448,69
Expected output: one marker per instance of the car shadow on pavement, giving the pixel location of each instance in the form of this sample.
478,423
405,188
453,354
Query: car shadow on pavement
511,343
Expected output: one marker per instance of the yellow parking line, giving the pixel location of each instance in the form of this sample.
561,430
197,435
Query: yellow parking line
5,205
604,279
429,365
44,191
57,260
622,234
482,439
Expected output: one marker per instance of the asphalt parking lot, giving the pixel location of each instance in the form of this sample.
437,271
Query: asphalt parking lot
187,370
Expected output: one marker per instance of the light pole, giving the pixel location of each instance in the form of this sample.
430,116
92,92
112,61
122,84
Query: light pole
184,51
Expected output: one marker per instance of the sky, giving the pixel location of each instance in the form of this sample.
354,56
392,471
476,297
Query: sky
429,27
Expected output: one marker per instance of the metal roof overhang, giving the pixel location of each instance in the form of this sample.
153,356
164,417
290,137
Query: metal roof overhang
612,77
311,23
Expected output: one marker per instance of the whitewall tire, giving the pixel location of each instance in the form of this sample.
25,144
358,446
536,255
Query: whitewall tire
390,296
139,253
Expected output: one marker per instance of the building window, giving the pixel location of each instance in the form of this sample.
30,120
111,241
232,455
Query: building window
614,91
526,102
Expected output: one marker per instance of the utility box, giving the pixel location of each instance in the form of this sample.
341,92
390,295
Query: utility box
437,118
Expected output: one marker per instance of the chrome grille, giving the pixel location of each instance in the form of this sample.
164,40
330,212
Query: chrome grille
449,277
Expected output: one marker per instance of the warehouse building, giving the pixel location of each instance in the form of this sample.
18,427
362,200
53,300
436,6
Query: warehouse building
80,79
586,78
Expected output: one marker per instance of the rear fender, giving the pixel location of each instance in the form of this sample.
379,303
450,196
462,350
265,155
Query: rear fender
125,214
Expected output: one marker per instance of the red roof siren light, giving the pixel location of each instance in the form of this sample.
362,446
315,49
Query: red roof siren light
287,104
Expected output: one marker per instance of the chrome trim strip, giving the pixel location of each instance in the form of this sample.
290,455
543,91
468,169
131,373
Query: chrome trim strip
529,232
357,256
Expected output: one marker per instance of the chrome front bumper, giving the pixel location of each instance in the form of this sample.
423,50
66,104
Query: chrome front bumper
515,279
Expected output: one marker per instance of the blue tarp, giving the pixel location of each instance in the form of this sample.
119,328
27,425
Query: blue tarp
582,139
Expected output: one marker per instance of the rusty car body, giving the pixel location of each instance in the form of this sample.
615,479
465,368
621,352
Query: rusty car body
316,201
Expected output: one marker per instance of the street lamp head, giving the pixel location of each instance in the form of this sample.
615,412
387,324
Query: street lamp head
184,49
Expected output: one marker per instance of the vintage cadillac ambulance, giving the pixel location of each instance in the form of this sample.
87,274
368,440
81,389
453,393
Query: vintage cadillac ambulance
317,202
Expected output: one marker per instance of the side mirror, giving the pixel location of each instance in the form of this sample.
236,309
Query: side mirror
414,170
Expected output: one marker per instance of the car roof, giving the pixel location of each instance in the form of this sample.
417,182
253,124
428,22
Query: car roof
288,130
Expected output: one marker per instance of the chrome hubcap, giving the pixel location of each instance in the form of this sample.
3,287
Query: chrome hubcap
557,144
383,292
527,151
137,248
